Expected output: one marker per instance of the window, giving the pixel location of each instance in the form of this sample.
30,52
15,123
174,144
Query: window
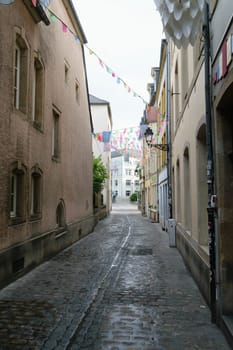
17,76
116,182
17,193
184,75
20,74
55,135
36,176
13,195
128,182
127,193
67,68
60,215
136,182
77,91
176,94
37,93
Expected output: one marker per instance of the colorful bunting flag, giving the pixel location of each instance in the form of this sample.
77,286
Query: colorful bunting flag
52,17
106,136
101,63
64,27
107,147
152,113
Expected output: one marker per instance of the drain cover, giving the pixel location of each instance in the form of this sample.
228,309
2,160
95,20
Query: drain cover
141,251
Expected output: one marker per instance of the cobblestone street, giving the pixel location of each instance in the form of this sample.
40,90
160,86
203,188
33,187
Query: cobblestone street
120,288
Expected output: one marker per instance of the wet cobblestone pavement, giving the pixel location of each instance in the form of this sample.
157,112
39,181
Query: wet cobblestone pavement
120,288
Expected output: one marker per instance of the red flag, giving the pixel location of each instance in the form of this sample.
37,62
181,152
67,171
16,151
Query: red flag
64,27
152,114
34,2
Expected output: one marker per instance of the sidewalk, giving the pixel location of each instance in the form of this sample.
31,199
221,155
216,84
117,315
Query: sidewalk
120,288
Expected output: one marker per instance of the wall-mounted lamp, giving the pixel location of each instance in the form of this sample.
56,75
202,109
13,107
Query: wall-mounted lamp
149,135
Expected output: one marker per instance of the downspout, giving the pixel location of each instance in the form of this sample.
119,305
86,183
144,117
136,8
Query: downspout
210,169
168,127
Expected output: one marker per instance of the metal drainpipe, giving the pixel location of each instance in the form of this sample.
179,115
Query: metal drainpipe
210,169
168,127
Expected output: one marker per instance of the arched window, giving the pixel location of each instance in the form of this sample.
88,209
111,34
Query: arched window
36,189
20,73
60,215
38,93
17,192
178,194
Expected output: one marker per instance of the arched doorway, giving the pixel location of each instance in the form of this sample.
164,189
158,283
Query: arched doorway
202,189
187,192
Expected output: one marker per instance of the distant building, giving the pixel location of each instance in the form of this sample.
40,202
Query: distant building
45,143
102,122
124,180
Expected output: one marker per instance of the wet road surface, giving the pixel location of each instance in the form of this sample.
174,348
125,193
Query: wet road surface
120,288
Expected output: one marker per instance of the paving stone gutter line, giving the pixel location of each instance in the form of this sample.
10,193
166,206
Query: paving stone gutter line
57,339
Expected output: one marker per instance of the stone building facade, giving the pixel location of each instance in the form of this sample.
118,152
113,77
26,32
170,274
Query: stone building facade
45,126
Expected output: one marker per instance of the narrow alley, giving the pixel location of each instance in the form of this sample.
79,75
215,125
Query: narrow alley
119,288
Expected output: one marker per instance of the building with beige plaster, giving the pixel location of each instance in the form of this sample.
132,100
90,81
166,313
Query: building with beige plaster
45,126
222,90
102,122
189,159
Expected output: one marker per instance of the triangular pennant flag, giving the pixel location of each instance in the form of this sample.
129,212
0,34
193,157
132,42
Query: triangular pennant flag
108,70
101,63
52,17
76,38
64,27
106,136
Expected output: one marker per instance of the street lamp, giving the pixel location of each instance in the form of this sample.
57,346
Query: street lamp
149,135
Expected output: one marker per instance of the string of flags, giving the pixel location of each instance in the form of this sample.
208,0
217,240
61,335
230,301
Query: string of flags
152,112
65,29
115,76
124,141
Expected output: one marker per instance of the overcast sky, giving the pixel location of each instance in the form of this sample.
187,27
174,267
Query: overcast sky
126,35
